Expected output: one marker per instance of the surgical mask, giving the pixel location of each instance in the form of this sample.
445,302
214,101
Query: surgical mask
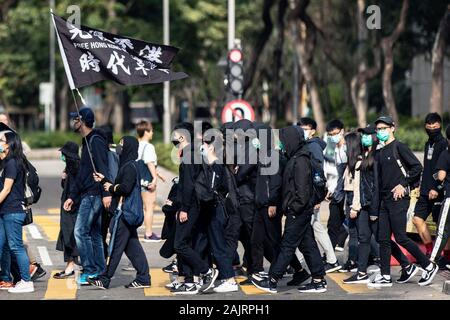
2,150
63,158
383,135
306,134
336,138
366,140
119,149
256,143
281,146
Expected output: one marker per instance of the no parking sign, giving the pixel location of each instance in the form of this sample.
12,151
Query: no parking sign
236,110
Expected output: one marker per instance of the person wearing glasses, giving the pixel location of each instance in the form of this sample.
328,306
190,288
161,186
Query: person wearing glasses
399,170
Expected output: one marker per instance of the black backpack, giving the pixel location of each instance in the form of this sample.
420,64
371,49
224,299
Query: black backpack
32,189
319,181
204,189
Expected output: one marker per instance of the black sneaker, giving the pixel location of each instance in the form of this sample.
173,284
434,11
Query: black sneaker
428,275
39,273
289,271
138,285
357,278
442,262
332,267
349,266
245,282
407,273
170,268
208,279
239,272
267,284
185,289
98,282
299,277
314,287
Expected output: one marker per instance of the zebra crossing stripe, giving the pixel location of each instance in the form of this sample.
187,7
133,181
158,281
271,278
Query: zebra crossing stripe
45,257
34,231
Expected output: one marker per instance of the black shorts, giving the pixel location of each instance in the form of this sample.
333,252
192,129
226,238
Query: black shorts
424,207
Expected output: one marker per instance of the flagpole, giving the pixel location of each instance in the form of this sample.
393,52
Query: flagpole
166,94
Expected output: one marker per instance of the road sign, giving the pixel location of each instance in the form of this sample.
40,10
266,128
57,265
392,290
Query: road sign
236,110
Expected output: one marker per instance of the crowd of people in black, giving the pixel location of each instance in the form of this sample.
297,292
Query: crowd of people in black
235,185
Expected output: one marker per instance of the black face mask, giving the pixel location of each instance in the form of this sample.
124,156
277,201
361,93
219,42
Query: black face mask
175,143
433,133
119,149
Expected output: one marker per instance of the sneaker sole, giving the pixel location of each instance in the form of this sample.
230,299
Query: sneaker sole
357,282
429,280
339,249
211,284
409,278
98,287
313,291
127,269
38,276
334,269
140,287
379,285
226,291
149,241
186,293
22,291
167,271
264,289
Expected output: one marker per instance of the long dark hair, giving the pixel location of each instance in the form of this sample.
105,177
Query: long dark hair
354,150
369,159
15,150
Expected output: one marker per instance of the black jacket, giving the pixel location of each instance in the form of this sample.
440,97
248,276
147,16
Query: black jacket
297,182
247,172
429,166
268,187
369,186
127,175
85,182
188,172
71,170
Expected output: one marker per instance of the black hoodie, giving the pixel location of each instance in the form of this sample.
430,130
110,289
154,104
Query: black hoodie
85,181
126,177
297,183
247,172
188,173
72,169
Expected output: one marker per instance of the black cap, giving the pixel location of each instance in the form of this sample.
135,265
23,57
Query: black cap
370,129
385,119
70,149
86,115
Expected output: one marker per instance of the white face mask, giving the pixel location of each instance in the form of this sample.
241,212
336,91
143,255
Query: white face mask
306,134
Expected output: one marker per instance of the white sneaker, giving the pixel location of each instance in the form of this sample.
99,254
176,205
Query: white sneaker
22,287
226,286
174,285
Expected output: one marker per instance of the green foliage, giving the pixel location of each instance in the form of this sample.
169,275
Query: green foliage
37,140
164,151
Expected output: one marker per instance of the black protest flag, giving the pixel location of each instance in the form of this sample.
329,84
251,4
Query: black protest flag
91,55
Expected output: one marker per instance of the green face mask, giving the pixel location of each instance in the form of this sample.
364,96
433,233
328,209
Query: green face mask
281,146
366,140
63,158
383,135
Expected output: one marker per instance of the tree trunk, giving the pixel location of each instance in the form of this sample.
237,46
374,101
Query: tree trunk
437,64
305,48
261,41
387,45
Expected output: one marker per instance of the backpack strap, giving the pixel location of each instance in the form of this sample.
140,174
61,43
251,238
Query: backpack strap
398,158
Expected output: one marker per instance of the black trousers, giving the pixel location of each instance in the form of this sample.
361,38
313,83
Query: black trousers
393,218
127,241
298,233
336,230
106,220
189,261
266,239
239,227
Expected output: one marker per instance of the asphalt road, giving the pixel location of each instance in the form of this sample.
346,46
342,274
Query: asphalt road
42,235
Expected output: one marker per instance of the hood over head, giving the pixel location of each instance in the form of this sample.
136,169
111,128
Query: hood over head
293,140
129,150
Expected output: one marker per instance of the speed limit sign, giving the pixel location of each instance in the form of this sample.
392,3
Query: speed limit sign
236,110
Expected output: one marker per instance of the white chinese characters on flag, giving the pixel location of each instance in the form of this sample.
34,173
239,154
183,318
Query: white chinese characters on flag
91,55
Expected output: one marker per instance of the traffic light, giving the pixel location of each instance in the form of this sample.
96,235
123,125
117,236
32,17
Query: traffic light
235,72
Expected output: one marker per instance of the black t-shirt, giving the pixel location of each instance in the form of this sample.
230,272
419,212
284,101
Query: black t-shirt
443,163
433,148
13,203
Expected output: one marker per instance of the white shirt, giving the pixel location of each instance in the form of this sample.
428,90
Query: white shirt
147,153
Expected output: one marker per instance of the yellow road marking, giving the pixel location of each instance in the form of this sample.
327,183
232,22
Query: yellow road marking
349,288
159,280
54,210
61,289
50,225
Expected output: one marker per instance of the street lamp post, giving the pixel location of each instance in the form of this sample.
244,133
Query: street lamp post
166,94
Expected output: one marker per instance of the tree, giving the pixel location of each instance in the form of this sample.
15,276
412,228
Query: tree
387,44
437,63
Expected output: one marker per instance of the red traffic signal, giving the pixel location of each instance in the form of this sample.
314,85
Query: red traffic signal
235,55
